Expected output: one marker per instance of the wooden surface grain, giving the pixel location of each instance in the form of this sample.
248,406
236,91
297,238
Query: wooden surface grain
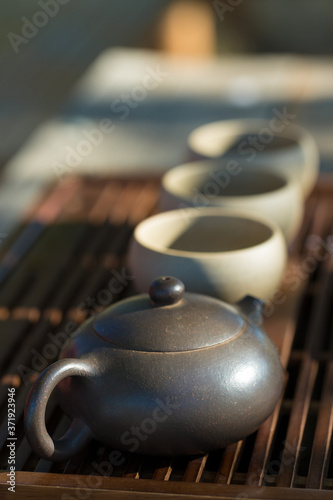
55,485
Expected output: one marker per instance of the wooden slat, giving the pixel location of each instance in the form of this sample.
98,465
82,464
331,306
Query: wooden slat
32,339
262,449
146,200
55,485
122,212
228,463
11,333
133,467
321,221
297,245
117,247
163,473
323,436
109,196
195,469
281,328
304,388
322,441
297,422
47,212
314,335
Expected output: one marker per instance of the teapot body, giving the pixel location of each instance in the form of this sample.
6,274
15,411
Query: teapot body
173,403
162,374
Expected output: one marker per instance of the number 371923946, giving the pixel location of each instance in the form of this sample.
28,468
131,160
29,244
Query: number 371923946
11,411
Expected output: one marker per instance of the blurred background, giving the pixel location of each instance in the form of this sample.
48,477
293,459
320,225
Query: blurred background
68,64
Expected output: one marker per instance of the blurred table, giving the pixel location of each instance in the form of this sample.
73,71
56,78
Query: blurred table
154,101
38,71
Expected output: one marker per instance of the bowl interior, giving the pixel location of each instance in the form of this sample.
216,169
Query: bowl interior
276,143
178,233
214,140
218,183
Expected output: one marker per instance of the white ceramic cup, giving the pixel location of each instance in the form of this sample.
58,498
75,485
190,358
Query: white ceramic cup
223,253
258,191
272,144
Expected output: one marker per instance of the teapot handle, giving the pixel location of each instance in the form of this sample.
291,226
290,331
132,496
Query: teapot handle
77,436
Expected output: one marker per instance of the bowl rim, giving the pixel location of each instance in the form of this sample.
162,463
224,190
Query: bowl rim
275,231
193,168
236,127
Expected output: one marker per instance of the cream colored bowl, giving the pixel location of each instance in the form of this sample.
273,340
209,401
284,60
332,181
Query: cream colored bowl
276,146
218,252
258,191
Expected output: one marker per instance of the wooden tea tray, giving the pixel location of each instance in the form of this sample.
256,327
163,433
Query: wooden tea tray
51,273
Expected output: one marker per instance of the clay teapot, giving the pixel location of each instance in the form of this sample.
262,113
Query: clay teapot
164,373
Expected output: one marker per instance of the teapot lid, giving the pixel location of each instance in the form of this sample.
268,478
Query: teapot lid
168,320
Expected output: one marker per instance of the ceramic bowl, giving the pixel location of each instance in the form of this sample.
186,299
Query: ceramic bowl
276,146
258,191
214,251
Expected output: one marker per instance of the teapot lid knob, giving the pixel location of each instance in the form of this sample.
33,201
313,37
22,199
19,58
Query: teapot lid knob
166,290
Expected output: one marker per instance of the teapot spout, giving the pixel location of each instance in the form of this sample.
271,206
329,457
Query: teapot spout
252,309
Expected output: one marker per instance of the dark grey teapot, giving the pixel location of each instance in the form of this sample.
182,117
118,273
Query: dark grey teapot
166,373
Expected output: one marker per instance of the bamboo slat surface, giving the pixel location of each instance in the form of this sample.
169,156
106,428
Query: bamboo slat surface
55,282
